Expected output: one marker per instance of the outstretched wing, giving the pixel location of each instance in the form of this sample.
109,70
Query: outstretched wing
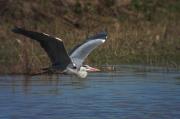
81,51
54,47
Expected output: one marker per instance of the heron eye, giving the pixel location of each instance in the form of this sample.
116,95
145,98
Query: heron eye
74,67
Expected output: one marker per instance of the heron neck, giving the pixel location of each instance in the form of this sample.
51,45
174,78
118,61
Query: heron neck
82,73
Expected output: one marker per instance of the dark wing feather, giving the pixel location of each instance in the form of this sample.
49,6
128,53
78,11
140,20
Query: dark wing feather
81,51
54,47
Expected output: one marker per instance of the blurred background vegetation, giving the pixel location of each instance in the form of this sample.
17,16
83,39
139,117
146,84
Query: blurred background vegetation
140,31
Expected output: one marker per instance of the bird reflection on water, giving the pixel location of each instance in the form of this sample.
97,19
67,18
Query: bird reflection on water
121,94
53,82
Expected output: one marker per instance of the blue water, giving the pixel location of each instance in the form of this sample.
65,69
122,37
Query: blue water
125,94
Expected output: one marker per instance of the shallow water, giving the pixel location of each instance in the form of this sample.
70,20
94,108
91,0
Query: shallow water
130,93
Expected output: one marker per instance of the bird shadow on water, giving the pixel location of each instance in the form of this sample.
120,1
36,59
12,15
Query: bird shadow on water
75,82
45,84
26,84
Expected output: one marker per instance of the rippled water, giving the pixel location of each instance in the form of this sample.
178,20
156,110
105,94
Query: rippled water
131,93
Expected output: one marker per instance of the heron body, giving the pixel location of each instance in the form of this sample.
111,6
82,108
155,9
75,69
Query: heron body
67,63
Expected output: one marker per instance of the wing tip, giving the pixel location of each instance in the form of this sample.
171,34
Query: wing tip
16,29
100,35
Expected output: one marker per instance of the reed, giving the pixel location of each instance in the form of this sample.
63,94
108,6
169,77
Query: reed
139,32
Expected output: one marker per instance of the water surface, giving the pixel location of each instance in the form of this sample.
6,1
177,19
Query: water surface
129,93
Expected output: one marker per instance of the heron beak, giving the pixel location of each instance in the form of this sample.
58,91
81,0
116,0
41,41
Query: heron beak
92,69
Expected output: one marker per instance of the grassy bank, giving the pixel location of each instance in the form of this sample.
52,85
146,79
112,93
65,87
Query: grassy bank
140,32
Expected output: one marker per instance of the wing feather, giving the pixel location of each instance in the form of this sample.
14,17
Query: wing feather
81,51
53,46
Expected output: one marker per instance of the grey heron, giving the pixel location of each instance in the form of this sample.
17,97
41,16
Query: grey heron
68,63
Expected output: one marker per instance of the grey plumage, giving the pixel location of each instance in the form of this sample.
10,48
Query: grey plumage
57,53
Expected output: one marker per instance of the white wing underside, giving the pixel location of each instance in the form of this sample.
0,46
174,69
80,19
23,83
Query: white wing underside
80,54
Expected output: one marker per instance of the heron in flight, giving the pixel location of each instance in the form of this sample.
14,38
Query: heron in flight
62,61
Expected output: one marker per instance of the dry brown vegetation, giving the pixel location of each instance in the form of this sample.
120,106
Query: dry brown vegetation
140,31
